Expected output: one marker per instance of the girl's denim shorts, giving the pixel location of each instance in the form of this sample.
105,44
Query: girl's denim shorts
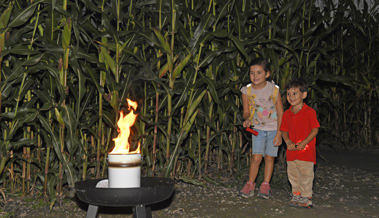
263,143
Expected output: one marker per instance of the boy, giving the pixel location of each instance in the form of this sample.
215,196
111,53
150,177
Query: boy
299,129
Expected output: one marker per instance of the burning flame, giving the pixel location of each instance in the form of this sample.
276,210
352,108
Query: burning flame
122,145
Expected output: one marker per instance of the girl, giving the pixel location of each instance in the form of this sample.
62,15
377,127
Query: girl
263,109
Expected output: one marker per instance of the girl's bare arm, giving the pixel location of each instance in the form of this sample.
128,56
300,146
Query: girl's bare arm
246,112
279,112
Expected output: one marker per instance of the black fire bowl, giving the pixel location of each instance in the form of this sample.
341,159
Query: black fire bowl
153,190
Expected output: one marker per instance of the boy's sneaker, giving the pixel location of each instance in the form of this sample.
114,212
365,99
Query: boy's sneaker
248,190
295,199
305,202
264,190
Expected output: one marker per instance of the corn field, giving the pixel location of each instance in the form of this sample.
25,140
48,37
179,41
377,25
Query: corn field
67,67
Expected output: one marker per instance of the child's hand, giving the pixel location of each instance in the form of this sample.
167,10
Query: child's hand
246,123
291,146
299,146
277,140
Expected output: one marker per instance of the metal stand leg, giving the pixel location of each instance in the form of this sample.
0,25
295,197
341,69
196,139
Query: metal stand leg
92,211
140,211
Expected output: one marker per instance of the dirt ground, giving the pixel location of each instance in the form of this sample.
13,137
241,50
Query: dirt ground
346,185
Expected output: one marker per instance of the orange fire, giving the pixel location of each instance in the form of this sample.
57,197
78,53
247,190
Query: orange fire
122,145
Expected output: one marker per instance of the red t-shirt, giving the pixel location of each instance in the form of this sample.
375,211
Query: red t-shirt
299,126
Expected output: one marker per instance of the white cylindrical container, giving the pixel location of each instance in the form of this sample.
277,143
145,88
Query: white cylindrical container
124,170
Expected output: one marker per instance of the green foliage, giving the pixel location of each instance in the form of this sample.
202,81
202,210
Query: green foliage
67,69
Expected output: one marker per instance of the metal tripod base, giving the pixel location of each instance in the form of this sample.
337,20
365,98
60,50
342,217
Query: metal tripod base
140,211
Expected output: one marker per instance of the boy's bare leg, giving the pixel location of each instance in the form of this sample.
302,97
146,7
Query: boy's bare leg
269,167
254,166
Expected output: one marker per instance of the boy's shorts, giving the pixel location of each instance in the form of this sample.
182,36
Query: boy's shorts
263,143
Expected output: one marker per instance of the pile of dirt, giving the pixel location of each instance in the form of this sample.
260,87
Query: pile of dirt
340,190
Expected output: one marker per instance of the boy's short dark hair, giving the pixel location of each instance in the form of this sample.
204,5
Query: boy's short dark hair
262,62
297,83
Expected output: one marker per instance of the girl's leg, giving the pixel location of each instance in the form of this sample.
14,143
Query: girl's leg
254,166
258,143
264,189
269,167
248,189
258,149
271,151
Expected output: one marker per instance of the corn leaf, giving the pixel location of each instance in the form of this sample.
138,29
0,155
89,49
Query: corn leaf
4,18
24,16
178,69
163,42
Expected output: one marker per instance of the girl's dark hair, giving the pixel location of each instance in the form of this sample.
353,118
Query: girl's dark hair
262,62
297,83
